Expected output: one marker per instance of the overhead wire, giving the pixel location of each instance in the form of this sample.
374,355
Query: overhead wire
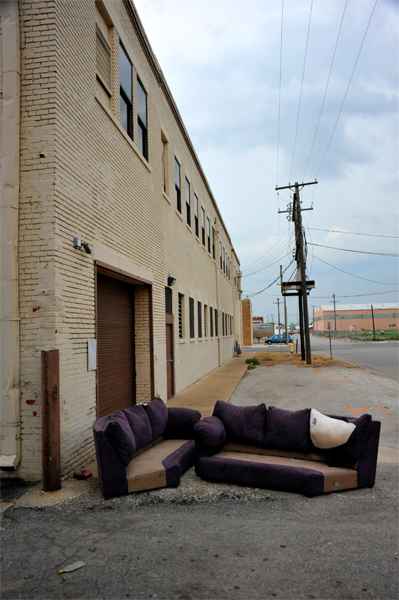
347,90
252,294
357,295
270,250
351,274
325,91
357,251
279,89
396,237
300,95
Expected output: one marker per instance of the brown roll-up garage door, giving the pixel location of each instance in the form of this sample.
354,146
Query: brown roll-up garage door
115,345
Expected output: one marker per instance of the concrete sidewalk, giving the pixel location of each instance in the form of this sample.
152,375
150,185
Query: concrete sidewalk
218,385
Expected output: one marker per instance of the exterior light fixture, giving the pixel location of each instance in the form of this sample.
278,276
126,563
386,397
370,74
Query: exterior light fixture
79,245
171,280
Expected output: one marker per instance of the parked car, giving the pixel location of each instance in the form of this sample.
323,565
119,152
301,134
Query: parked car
278,339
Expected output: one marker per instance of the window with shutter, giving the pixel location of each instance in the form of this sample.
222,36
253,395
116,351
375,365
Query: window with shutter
104,60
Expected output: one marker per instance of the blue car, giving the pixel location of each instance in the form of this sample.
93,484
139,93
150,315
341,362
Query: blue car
278,339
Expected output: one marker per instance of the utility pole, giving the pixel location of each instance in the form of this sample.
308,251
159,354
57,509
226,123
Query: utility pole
285,308
278,312
300,259
372,314
335,312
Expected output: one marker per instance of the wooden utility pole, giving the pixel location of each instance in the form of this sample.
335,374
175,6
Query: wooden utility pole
335,312
300,259
278,313
372,314
285,308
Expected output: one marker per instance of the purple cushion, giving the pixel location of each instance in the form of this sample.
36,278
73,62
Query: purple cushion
120,436
350,452
157,413
288,430
210,432
181,423
245,424
140,425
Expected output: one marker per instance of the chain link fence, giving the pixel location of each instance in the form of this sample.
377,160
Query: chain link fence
360,336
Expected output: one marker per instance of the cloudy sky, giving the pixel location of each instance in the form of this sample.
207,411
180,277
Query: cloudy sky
334,117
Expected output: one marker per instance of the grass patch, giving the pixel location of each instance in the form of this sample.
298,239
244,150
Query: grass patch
252,361
269,359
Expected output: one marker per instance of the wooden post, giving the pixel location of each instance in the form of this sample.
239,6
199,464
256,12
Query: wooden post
51,446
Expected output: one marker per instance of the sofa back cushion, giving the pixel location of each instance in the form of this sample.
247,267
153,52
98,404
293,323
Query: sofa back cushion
287,430
245,424
157,413
140,425
181,423
120,436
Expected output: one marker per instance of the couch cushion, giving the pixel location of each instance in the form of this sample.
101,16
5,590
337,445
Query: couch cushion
287,430
327,432
140,424
181,423
120,436
210,431
242,423
157,413
349,453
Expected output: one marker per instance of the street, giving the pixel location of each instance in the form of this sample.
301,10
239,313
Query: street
381,358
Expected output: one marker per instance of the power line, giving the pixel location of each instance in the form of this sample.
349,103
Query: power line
267,287
353,233
347,89
279,259
325,92
270,251
358,295
357,251
279,89
300,95
351,274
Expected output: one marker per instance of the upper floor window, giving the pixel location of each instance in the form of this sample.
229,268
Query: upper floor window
188,205
221,255
213,243
224,261
196,215
203,225
165,180
177,185
142,119
126,103
191,316
199,320
208,233
103,59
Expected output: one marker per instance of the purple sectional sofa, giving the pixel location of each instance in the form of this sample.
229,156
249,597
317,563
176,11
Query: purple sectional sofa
143,447
274,449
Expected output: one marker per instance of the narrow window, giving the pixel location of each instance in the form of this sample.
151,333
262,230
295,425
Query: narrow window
203,225
103,60
199,320
224,261
235,276
222,323
211,320
205,323
191,317
231,325
126,105
221,255
168,301
228,268
142,119
196,215
177,185
216,323
213,243
208,234
180,308
188,205
165,165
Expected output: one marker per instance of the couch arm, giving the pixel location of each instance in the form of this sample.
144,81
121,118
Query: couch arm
111,472
180,425
210,436
367,465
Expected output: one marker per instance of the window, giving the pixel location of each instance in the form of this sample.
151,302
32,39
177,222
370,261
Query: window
196,215
203,225
103,59
142,119
181,316
231,325
165,180
208,233
205,323
191,317
235,276
216,323
213,243
188,205
168,301
199,320
221,255
228,268
211,320
126,104
177,185
224,261
222,323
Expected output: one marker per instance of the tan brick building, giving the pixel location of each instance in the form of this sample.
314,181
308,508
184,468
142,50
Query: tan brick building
357,317
95,157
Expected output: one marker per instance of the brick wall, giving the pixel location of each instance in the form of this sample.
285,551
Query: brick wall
247,322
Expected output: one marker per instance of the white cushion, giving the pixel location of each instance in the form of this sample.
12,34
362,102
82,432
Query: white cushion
327,432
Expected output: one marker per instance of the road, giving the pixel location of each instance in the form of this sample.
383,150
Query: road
381,358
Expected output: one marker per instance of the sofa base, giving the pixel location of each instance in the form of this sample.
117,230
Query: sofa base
281,473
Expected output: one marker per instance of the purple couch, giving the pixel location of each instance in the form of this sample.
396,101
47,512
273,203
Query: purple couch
143,447
273,449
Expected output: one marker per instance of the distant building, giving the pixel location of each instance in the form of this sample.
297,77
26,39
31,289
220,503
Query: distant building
356,317
257,319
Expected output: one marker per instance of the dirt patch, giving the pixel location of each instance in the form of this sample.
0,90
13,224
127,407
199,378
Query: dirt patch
270,359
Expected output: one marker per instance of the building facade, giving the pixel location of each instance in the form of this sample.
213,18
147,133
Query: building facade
111,238
357,317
